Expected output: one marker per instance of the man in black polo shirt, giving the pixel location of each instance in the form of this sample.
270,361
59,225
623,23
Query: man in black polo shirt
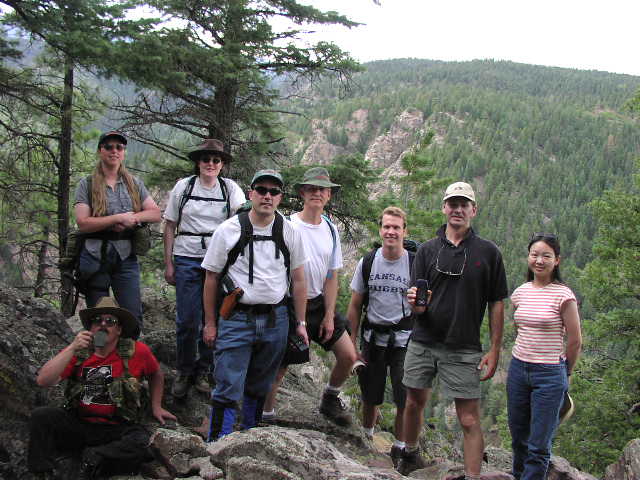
465,274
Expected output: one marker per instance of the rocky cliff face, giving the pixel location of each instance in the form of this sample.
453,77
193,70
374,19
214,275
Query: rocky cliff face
303,445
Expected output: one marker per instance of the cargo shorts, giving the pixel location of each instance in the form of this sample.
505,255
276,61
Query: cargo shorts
457,370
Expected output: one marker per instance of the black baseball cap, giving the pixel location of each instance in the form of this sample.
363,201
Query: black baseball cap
112,134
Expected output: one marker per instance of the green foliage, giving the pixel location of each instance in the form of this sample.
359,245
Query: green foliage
607,383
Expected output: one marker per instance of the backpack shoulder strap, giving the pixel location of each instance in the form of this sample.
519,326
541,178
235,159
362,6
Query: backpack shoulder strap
126,349
367,264
334,239
184,199
246,232
277,233
89,184
225,195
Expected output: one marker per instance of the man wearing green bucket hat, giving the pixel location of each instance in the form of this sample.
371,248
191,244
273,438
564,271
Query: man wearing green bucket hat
324,325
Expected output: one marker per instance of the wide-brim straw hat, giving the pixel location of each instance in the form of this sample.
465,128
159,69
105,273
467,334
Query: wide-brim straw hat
319,177
567,408
108,305
212,145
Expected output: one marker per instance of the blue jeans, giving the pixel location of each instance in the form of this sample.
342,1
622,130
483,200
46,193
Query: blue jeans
248,353
535,392
122,276
193,355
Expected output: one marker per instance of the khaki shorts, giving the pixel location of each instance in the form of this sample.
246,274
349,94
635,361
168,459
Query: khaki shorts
457,369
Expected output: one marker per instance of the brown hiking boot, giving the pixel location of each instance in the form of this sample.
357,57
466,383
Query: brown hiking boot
410,461
333,408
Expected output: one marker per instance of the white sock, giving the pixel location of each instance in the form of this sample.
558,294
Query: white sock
368,431
266,413
398,443
332,390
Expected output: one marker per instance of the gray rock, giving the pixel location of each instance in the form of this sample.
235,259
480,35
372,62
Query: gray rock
289,453
628,465
561,469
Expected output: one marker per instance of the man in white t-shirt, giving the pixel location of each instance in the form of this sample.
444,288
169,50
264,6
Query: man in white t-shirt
251,339
387,322
324,325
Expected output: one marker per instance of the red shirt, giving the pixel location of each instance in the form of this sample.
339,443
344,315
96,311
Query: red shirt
98,372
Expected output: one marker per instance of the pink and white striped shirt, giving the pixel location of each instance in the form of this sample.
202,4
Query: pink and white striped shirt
537,318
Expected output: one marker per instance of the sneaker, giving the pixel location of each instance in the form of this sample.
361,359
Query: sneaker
201,383
181,385
269,418
395,453
333,408
410,461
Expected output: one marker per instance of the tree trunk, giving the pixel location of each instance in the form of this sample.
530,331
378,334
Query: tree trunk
43,264
64,169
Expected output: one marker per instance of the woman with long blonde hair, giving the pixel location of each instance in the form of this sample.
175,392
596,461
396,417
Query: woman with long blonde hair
109,205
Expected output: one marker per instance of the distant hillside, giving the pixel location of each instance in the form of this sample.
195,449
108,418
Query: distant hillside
538,143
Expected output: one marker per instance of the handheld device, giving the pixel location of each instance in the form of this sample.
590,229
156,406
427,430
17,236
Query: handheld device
298,342
100,339
421,292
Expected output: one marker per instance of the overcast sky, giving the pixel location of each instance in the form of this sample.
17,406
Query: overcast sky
583,34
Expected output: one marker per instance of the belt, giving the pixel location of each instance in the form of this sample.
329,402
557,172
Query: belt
259,308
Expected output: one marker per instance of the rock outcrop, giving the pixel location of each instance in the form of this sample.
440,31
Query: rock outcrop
302,445
628,466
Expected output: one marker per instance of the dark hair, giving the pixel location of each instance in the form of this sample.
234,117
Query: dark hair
553,242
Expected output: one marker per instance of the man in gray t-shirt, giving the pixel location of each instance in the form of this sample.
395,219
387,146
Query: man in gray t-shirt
387,322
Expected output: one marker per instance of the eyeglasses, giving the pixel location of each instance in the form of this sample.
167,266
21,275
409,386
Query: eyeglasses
215,160
108,321
111,146
264,190
447,272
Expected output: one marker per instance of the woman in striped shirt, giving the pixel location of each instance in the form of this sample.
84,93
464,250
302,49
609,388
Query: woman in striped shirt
546,313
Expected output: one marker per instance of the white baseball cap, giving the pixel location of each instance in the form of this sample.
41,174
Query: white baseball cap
459,189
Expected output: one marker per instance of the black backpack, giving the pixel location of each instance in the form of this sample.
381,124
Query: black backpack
247,238
186,196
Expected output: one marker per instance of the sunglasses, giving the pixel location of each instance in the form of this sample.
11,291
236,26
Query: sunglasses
449,272
214,160
109,321
110,146
264,190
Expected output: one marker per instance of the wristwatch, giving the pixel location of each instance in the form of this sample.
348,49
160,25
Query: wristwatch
303,323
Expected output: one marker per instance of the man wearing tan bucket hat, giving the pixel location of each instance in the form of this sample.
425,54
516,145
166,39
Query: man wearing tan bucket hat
104,367
324,325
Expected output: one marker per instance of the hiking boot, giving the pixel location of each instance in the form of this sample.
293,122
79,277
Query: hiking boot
268,418
181,385
395,453
90,466
410,461
201,383
334,409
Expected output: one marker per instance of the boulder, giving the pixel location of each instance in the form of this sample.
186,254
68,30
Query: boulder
561,469
628,465
276,452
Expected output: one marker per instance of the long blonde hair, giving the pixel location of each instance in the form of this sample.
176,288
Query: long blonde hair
99,189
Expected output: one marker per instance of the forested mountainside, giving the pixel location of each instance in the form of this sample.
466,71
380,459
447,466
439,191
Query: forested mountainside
539,144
